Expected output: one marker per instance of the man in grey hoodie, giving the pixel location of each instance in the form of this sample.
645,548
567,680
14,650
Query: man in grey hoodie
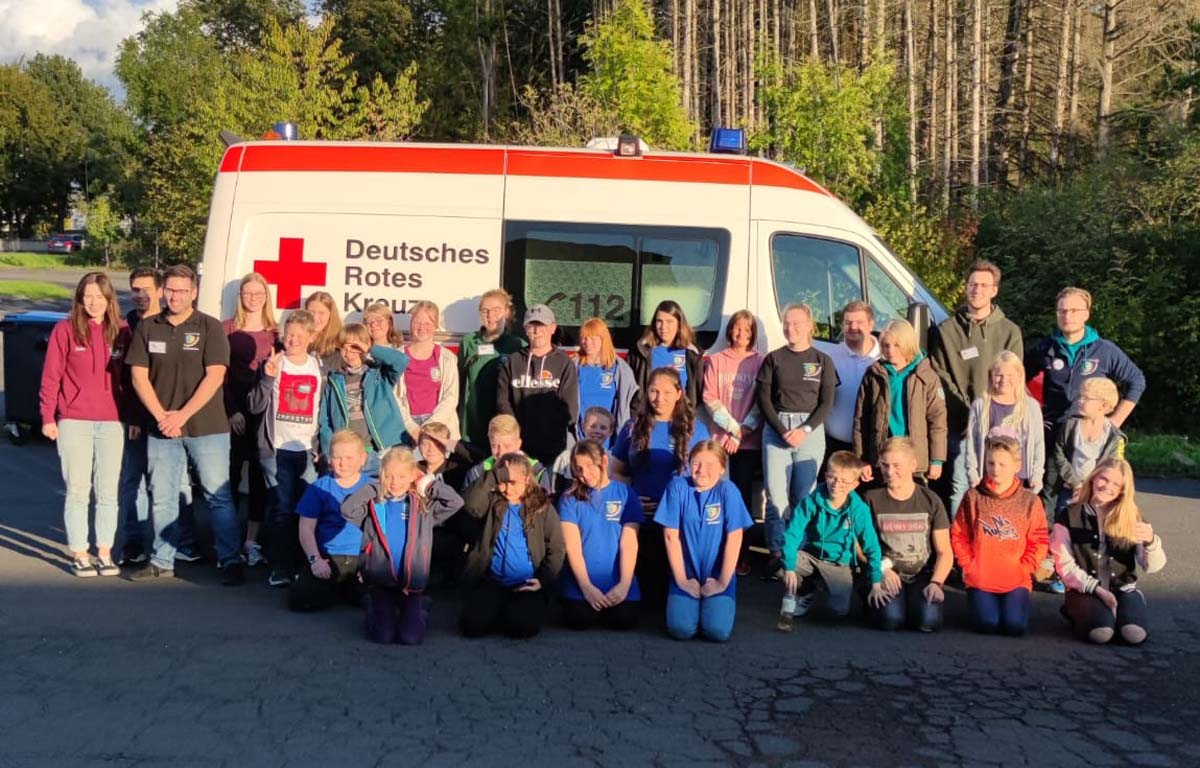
962,349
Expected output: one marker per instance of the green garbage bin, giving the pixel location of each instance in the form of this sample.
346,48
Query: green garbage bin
26,336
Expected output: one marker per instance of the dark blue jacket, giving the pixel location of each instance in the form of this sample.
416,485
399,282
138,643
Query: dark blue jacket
1064,376
382,412
375,557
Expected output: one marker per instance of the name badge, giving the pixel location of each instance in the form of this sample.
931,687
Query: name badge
158,347
970,353
486,349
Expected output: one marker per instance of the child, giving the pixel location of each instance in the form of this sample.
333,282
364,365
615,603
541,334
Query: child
330,543
286,399
703,520
442,456
1008,410
359,396
818,544
600,520
397,514
1087,437
504,437
598,425
999,538
518,556
1099,543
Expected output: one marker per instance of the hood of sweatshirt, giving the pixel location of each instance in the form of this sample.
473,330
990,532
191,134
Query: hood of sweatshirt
1071,351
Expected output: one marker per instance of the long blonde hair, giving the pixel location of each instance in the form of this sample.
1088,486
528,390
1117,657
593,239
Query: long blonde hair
1016,419
268,314
384,310
1123,513
327,342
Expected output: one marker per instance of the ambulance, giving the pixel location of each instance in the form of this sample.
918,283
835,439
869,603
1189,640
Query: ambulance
607,232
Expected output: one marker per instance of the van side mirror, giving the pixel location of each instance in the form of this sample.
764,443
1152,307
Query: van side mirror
920,318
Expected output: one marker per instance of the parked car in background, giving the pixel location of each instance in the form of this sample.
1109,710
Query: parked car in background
65,243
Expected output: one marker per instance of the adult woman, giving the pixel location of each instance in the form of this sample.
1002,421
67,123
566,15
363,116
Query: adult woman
78,399
728,394
1006,409
381,325
795,389
668,342
651,450
703,519
328,324
605,380
600,521
479,361
253,337
428,390
901,396
1099,543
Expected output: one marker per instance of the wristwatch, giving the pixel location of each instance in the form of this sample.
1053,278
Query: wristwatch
312,559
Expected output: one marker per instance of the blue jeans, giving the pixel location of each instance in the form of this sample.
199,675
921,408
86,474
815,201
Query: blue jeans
789,474
956,459
1005,612
167,462
90,455
134,500
710,616
288,475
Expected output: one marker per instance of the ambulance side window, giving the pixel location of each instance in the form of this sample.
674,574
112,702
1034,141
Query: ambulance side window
822,273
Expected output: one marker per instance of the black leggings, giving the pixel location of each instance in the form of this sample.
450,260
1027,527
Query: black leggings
491,607
1087,614
577,614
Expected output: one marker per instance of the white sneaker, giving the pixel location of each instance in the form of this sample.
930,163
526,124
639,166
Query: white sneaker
254,555
803,603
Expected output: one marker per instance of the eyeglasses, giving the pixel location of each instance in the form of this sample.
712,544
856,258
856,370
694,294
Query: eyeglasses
177,291
254,294
980,285
376,322
492,312
1071,310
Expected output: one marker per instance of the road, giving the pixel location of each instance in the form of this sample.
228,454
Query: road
189,673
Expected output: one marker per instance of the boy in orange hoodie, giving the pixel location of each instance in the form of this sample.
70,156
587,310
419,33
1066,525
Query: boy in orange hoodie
999,538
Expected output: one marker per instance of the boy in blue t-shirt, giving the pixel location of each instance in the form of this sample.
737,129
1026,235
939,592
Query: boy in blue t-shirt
330,543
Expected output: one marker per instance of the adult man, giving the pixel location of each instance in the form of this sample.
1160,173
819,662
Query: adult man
178,361
1072,353
962,349
540,387
851,358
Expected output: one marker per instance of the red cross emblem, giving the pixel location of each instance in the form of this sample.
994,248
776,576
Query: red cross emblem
291,272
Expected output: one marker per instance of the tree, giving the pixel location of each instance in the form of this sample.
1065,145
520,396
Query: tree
103,225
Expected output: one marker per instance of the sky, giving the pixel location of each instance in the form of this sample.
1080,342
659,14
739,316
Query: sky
88,31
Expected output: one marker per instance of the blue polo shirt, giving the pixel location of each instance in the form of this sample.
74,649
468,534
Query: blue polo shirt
512,565
703,519
652,469
322,501
600,520
666,357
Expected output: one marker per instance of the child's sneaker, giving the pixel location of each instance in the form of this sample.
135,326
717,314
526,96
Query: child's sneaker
83,568
253,554
278,579
1056,587
803,603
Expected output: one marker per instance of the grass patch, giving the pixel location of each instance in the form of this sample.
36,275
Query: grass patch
1164,456
33,290
31,260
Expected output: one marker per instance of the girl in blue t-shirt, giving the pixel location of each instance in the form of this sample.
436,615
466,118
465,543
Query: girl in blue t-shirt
605,380
650,450
600,520
668,342
702,517
517,558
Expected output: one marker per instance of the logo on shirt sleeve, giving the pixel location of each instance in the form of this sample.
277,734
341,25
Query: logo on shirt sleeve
612,511
191,341
712,514
1090,366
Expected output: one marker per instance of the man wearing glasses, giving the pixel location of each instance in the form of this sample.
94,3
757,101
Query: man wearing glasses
1072,353
962,349
177,363
479,360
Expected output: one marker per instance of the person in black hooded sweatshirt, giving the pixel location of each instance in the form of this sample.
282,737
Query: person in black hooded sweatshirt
539,386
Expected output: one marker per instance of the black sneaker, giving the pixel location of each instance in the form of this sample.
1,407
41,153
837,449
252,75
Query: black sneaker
233,574
279,579
188,556
134,555
774,570
150,573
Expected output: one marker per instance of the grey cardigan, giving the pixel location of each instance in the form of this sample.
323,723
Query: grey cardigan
1033,444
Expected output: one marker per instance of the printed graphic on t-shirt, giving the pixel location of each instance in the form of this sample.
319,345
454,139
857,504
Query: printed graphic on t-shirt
907,538
812,371
999,527
712,514
612,511
297,397
191,341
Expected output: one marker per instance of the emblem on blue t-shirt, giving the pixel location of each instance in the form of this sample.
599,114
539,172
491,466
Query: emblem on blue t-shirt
1090,366
680,359
612,511
606,380
712,514
191,341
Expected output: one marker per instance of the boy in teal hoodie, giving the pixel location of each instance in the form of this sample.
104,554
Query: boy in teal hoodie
818,545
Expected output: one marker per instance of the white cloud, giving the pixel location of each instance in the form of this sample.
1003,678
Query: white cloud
88,31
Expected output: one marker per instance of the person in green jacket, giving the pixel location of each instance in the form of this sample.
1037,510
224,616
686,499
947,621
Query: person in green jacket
818,544
479,364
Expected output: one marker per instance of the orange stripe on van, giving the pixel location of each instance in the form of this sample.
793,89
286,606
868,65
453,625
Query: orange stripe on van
360,158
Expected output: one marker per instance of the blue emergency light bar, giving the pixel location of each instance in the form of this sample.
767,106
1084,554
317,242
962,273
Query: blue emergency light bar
728,141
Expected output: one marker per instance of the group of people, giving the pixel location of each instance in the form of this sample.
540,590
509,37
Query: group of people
364,467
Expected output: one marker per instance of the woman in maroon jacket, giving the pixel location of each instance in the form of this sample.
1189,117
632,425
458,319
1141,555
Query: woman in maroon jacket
80,385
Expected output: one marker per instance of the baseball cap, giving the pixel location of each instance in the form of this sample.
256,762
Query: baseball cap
539,313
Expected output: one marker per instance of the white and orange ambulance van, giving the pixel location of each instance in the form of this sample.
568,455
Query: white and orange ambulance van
591,232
